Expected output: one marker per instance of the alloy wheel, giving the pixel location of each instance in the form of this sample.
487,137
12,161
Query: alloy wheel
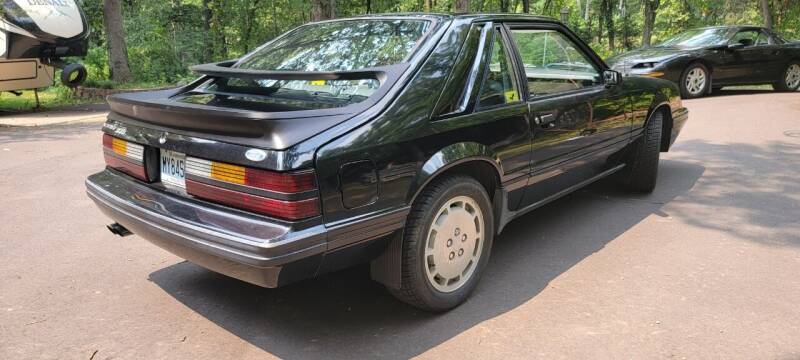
454,244
695,81
793,76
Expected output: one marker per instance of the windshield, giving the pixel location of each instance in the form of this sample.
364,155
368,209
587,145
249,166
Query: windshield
698,37
327,46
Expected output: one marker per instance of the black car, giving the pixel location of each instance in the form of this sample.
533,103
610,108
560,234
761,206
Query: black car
406,140
706,59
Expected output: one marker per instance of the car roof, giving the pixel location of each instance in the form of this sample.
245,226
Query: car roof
736,27
452,16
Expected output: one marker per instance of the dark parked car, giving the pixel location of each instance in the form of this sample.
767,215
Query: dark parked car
406,140
702,60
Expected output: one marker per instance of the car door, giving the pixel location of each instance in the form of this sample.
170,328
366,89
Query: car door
577,119
746,64
482,104
500,97
775,60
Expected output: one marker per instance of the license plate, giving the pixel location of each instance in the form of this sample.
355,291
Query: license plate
173,169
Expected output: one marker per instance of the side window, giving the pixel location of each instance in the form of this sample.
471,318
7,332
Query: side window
465,74
746,37
500,84
553,63
762,39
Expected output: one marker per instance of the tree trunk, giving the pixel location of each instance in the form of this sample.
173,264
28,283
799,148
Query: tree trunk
368,5
175,15
249,20
546,7
320,10
526,6
207,47
461,6
218,30
650,9
608,10
626,42
767,14
586,12
504,5
115,34
428,5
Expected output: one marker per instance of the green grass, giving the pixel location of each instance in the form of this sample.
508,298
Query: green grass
50,98
59,96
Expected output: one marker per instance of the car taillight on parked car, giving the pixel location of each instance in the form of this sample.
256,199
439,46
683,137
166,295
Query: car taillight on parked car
124,156
290,196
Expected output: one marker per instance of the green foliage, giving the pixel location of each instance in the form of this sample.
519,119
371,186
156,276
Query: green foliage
165,37
53,97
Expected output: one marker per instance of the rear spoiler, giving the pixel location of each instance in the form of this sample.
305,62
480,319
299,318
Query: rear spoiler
263,129
224,69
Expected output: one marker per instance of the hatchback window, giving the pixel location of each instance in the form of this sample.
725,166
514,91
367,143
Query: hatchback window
500,84
553,62
323,47
340,46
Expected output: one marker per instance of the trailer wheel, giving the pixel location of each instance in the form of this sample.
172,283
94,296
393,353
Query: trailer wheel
73,75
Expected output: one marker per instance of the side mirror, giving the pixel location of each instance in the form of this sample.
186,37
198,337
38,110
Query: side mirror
612,78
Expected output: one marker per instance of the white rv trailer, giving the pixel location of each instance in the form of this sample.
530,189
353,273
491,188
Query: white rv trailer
35,35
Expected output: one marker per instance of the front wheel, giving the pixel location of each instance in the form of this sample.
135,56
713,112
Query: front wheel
695,81
446,244
643,166
790,81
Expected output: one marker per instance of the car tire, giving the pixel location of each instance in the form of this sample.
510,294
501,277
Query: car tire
695,81
643,166
790,78
433,242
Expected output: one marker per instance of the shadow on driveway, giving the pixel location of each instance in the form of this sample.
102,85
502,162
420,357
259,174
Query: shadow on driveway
342,314
21,134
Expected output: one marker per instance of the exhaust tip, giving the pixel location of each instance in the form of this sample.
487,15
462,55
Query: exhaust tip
118,229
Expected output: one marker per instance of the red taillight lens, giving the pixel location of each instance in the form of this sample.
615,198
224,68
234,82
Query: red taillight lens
241,186
268,180
124,156
281,182
291,210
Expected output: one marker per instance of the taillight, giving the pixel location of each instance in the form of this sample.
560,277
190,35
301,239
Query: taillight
285,195
292,210
124,156
257,178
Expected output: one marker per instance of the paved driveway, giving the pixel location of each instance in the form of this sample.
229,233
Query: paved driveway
706,267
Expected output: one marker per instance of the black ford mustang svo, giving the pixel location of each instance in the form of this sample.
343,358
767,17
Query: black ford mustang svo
406,140
701,60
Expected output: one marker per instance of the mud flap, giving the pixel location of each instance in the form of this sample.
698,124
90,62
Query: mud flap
387,268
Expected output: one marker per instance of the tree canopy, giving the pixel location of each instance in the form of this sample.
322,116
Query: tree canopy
163,38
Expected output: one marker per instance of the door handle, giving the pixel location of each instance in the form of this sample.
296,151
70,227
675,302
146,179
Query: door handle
546,121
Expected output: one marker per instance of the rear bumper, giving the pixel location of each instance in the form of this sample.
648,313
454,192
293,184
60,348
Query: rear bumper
248,247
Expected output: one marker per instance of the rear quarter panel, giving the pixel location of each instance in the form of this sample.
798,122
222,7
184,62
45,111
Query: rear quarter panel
394,141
